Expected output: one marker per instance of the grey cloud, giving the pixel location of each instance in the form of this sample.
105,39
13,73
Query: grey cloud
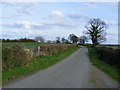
30,25
24,8
15,25
7,3
21,26
78,17
61,24
86,18
112,23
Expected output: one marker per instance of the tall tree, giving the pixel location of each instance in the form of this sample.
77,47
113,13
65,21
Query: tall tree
73,38
49,41
96,29
63,40
83,39
39,39
57,39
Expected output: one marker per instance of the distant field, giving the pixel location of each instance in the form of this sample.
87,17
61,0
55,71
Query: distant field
29,45
110,46
23,43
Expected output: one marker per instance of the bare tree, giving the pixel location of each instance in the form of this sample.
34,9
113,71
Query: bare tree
83,39
39,39
96,29
57,39
73,38
49,41
53,41
63,40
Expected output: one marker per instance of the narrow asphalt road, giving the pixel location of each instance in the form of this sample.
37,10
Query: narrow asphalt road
76,71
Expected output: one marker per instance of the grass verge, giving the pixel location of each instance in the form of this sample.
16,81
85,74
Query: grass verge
113,72
39,63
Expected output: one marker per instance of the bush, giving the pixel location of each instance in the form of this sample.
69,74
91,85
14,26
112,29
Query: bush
14,56
109,55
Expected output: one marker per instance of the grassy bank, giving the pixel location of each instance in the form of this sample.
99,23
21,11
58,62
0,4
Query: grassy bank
38,63
113,72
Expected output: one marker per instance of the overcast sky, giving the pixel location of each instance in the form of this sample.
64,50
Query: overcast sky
55,19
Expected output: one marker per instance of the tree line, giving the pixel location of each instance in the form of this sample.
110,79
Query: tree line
18,40
72,38
95,30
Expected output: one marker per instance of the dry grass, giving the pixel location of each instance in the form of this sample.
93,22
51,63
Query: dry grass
51,49
14,56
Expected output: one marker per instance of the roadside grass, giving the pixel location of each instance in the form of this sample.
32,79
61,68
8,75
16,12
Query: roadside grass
39,63
113,72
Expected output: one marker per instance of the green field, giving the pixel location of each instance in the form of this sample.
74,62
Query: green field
29,45
23,43
26,43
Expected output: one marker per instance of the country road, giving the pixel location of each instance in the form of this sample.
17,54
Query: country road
76,71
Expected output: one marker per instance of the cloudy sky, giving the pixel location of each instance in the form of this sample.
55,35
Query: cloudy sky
55,19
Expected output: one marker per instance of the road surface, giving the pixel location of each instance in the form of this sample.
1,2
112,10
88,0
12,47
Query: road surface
76,71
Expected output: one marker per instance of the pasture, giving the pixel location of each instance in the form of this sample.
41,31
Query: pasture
23,43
